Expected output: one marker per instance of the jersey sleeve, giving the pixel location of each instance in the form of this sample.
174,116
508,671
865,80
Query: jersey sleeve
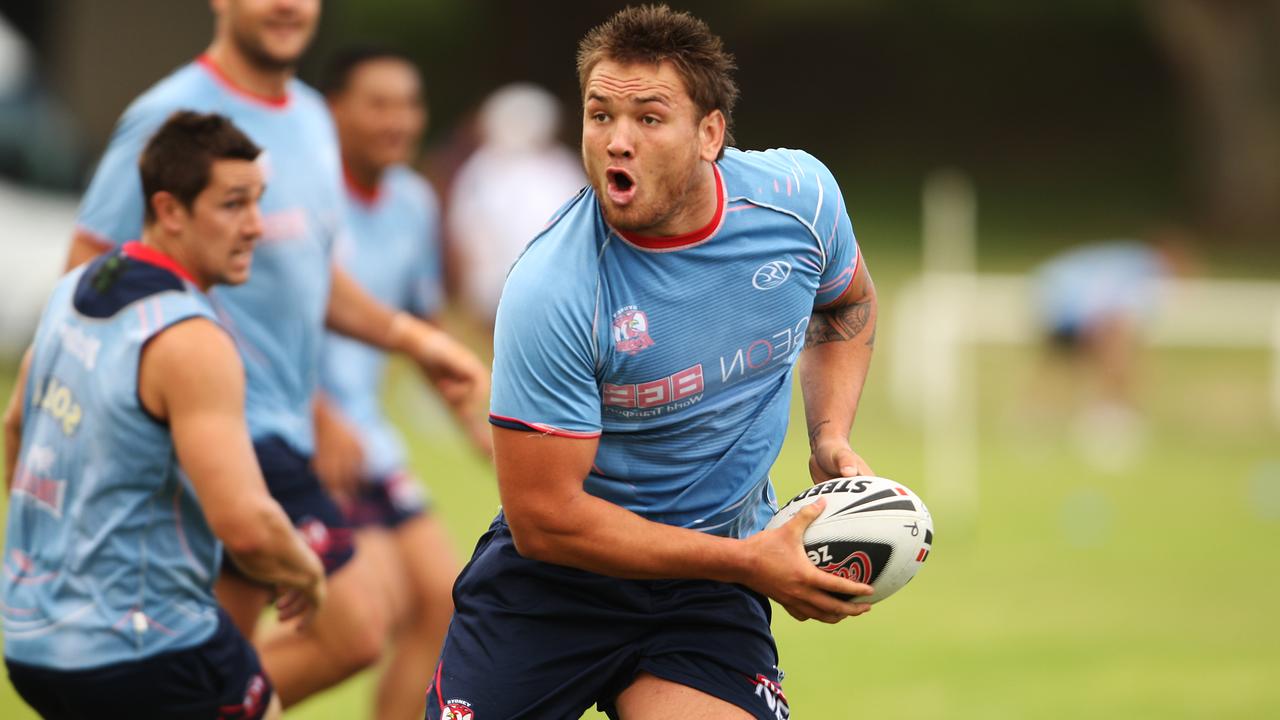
835,233
112,208
544,358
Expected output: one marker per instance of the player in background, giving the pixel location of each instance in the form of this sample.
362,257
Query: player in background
505,191
642,377
278,317
392,248
121,491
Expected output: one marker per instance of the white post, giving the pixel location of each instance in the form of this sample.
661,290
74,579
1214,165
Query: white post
949,399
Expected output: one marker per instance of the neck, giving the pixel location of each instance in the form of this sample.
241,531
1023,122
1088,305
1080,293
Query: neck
703,208
366,175
172,251
266,83
362,178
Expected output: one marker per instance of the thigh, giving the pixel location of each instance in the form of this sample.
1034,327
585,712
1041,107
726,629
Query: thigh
715,639
379,551
532,640
427,557
652,698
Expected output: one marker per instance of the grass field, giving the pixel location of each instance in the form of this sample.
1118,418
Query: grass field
1073,593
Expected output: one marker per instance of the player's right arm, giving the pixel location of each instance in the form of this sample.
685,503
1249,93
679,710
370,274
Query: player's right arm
111,210
13,421
85,246
553,519
191,376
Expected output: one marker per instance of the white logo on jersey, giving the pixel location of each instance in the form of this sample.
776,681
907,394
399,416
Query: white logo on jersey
79,344
771,274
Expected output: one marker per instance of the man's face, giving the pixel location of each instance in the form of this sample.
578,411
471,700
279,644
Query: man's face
218,234
643,142
380,113
271,34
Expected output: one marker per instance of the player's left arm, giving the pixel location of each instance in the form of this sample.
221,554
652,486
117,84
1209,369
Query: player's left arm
457,374
832,369
13,421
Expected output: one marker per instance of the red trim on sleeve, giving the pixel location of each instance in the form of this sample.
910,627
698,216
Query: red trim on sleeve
544,428
99,241
689,238
857,263
366,195
153,256
275,102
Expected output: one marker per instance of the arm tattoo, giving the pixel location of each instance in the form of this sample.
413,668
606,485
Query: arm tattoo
813,431
839,324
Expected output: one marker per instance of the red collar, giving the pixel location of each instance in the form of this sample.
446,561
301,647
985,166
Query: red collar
690,238
153,256
276,102
366,195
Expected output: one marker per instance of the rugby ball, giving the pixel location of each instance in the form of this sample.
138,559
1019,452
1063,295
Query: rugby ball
873,531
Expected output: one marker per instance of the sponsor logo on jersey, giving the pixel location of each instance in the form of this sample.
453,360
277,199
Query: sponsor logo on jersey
761,353
58,402
284,225
79,344
631,330
31,480
771,274
771,693
675,389
457,709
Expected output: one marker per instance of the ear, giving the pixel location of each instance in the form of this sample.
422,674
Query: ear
711,135
171,215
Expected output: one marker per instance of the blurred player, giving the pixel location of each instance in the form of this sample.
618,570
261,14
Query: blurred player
278,317
392,249
642,377
1094,301
507,189
112,547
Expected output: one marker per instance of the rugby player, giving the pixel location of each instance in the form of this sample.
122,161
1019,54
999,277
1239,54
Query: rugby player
278,317
392,248
129,460
643,365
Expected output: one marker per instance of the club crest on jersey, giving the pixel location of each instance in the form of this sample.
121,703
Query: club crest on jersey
631,330
771,274
457,709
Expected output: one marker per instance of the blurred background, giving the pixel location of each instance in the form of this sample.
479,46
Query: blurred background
1105,484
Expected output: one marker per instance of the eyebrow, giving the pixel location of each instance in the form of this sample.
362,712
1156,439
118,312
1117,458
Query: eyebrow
660,99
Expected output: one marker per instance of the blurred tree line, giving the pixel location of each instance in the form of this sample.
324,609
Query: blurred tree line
1159,107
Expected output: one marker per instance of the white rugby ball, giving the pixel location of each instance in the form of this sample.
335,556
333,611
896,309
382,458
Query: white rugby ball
873,531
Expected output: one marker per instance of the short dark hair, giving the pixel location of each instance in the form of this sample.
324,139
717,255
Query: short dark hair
656,33
179,157
343,63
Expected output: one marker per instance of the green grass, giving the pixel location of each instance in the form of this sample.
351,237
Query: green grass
1162,607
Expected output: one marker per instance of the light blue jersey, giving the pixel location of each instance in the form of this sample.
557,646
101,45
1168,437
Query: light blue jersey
1092,283
277,317
392,248
107,556
677,352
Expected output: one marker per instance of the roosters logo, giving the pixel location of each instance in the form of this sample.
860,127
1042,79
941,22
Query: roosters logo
631,330
857,566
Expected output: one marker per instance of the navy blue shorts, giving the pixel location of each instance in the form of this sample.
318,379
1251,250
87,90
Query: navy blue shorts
386,502
219,679
297,488
535,640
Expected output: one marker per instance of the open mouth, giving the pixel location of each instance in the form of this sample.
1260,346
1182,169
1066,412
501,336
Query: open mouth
622,186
